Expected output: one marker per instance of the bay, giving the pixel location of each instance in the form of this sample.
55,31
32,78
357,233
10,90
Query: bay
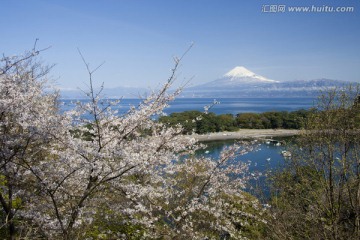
225,106
265,156
262,161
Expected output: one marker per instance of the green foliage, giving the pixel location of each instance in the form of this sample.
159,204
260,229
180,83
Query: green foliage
267,120
250,120
84,134
110,225
316,195
198,122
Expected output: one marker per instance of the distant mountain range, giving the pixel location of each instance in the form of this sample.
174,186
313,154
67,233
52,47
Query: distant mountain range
238,82
118,92
241,82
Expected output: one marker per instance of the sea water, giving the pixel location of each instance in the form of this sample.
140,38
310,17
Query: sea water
223,106
265,158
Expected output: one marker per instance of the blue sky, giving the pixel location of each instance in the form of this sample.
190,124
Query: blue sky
138,38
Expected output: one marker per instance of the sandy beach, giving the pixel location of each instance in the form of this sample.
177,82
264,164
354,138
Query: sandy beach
247,134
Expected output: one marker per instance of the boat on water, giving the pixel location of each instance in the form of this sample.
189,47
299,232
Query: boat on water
286,154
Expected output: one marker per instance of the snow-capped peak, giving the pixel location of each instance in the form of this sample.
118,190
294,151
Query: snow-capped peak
242,72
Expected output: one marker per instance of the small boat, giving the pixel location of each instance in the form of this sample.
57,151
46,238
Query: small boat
286,154
268,159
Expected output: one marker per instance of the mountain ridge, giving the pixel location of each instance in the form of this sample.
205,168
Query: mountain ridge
241,82
236,83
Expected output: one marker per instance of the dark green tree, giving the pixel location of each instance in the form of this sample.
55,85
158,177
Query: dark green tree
317,194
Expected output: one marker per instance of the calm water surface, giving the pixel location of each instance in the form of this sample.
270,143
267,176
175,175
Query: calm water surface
226,106
262,161
266,156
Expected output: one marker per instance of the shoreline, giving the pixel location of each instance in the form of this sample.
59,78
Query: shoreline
245,134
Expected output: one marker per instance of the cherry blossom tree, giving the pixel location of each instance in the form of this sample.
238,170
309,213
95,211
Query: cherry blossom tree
92,172
27,113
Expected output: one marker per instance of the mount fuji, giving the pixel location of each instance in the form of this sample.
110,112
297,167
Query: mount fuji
242,75
237,77
241,82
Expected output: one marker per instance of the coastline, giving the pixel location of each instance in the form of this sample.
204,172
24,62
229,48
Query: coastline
246,134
